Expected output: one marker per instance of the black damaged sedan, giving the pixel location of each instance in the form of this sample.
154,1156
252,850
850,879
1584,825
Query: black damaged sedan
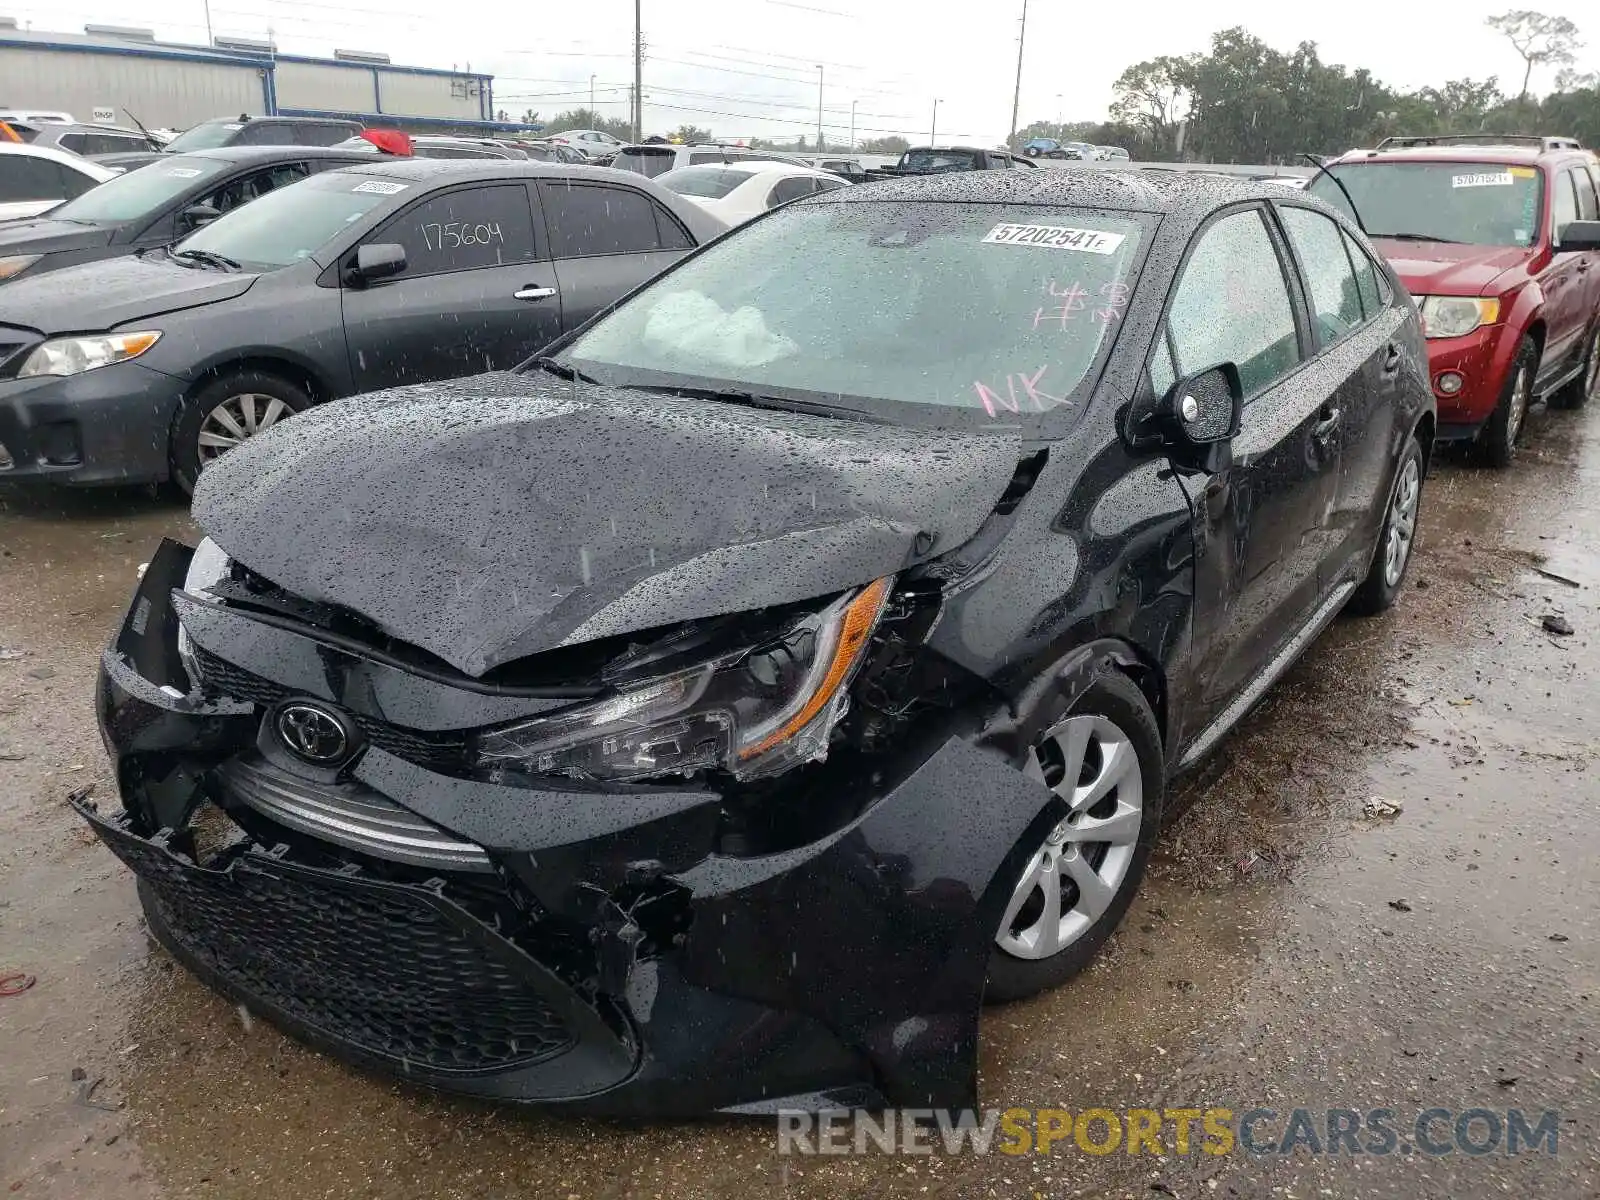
712,713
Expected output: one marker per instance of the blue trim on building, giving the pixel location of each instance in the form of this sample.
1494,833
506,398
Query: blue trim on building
381,119
366,66
216,59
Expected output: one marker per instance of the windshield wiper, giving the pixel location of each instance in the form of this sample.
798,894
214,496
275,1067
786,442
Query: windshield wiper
753,400
210,258
561,370
1418,237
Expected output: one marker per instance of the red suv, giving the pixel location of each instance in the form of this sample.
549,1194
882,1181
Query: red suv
1498,239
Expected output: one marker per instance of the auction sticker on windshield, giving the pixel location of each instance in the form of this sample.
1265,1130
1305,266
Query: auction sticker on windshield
1483,179
381,187
184,172
1055,237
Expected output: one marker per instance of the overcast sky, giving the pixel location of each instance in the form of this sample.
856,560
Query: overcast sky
749,67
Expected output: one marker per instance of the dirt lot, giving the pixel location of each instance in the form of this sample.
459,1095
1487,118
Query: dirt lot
1287,951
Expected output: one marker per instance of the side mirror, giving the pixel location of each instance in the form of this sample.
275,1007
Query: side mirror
379,260
1578,236
1200,415
197,215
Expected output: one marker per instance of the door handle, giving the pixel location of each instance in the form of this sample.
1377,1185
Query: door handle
1583,266
1391,359
1324,428
533,293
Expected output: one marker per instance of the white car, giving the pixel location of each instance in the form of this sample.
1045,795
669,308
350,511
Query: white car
34,116
36,178
738,191
591,143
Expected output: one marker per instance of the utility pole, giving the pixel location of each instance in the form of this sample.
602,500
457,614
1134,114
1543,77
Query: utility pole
933,139
209,40
591,95
819,108
638,72
1016,96
853,104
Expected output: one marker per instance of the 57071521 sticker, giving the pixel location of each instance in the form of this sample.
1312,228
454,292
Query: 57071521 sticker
1054,237
1482,179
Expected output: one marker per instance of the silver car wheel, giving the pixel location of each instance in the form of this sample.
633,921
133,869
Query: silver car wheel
1073,878
1402,522
1521,390
237,418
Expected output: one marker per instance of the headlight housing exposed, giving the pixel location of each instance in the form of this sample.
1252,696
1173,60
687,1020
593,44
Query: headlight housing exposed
12,265
209,564
75,355
754,711
1456,316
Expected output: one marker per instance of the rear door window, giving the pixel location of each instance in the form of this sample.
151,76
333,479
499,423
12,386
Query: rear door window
786,190
1326,267
1369,281
78,143
465,230
590,219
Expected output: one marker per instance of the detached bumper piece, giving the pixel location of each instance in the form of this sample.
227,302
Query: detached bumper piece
390,975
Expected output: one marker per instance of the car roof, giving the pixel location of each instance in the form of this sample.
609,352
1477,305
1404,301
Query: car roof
251,119
760,166
250,154
1508,152
1189,194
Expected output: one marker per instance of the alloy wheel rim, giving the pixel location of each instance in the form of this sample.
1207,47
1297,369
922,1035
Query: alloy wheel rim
1402,522
1074,877
237,419
1519,405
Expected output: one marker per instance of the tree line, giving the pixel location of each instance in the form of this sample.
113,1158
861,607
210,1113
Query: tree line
1245,101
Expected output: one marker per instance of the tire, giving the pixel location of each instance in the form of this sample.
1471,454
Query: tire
1499,436
1587,385
1397,538
232,397
1118,742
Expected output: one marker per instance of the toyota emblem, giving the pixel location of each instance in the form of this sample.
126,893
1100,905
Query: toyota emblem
313,734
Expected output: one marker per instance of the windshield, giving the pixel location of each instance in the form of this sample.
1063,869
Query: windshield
206,136
991,312
709,183
141,192
931,161
1482,204
293,222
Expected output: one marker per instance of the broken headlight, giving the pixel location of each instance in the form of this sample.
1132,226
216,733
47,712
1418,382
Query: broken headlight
754,711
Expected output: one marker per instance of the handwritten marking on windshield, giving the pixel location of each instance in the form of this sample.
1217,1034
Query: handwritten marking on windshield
1039,400
1113,298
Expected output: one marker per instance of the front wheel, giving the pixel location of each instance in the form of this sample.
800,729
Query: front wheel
1103,757
228,410
1392,556
1499,437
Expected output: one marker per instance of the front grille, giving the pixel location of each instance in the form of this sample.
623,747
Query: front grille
392,970
349,814
442,752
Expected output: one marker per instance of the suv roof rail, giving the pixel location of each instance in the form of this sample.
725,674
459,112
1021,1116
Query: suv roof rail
1482,139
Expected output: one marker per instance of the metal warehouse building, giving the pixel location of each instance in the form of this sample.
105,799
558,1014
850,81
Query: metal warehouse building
162,84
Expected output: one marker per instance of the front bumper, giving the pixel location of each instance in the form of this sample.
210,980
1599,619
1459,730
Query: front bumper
612,951
1483,363
106,426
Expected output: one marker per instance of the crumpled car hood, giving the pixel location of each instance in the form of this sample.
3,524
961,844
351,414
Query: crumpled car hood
491,518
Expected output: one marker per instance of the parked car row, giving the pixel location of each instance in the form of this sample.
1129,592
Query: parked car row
242,285
1044,147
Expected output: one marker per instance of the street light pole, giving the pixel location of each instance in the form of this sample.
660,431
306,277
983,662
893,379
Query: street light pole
933,138
638,72
853,104
819,108
1016,96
